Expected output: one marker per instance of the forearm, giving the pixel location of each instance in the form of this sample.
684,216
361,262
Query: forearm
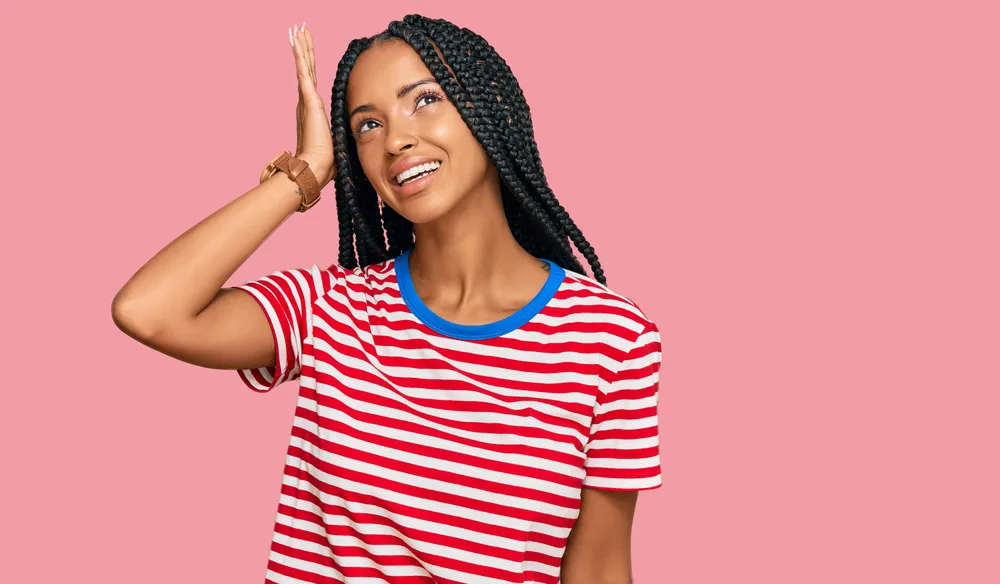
184,277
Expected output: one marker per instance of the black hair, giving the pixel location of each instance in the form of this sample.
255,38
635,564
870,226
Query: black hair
490,101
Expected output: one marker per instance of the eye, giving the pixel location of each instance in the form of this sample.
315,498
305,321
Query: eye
429,97
360,128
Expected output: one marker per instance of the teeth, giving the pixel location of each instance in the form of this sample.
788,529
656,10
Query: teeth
412,172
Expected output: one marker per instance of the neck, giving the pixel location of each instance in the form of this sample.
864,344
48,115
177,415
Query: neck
470,247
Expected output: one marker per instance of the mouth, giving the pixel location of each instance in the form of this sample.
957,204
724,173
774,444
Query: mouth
414,179
417,172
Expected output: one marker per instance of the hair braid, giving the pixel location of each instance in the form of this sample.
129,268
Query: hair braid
344,181
399,231
523,142
490,101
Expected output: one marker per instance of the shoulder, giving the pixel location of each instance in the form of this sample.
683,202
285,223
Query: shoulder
306,285
369,276
625,320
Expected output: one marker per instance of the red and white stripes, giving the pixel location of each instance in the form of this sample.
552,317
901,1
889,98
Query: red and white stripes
419,457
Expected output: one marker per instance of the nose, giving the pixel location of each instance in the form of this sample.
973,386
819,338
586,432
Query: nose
399,137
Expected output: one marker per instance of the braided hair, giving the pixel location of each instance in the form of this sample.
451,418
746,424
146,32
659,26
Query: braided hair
490,101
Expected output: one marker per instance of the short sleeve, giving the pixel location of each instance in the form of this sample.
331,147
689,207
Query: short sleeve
287,299
623,451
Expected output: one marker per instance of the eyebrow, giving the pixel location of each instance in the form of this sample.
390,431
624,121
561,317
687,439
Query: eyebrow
400,93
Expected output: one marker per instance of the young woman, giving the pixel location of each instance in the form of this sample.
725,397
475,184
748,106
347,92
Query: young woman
472,408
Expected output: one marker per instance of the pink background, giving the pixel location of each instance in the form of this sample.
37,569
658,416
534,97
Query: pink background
803,197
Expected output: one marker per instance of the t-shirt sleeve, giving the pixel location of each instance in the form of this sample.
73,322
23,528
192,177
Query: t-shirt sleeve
287,299
623,451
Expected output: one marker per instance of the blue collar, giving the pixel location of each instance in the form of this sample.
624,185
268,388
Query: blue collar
474,332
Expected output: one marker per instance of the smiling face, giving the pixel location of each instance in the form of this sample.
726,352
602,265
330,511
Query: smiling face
406,128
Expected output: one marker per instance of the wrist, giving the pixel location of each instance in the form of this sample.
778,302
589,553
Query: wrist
319,170
298,172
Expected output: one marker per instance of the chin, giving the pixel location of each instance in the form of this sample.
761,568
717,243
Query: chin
425,207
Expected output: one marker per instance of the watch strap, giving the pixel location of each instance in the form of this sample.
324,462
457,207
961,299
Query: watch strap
298,170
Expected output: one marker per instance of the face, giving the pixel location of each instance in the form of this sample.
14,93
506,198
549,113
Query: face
403,124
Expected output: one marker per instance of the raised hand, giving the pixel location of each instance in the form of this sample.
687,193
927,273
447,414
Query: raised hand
313,136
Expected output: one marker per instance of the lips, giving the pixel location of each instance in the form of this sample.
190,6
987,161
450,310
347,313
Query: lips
405,164
416,185
416,171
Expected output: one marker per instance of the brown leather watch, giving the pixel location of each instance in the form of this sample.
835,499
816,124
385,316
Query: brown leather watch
297,170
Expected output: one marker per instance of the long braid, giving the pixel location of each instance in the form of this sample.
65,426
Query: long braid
524,145
399,231
490,101
481,72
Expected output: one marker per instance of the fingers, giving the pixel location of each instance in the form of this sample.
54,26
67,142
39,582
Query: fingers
310,52
306,84
291,43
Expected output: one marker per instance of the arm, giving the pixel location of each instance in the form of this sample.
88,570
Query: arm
599,549
622,458
175,303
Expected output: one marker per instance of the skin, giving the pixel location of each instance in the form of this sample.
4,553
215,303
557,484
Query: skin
466,265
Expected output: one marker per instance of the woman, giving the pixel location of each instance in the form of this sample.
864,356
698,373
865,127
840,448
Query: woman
472,406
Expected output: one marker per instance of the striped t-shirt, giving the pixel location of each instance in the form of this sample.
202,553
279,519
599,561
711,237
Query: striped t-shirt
427,451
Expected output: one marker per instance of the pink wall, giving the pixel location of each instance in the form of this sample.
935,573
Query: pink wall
804,199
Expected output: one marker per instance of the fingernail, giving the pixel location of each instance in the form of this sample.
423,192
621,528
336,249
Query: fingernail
290,41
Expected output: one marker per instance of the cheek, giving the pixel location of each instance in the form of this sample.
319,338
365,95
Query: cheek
371,165
452,135
450,131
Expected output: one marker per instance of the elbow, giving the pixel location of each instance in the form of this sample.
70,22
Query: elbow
129,317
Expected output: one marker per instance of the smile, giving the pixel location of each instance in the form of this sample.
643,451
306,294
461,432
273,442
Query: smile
417,172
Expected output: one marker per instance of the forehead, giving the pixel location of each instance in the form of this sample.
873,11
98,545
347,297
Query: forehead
381,70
